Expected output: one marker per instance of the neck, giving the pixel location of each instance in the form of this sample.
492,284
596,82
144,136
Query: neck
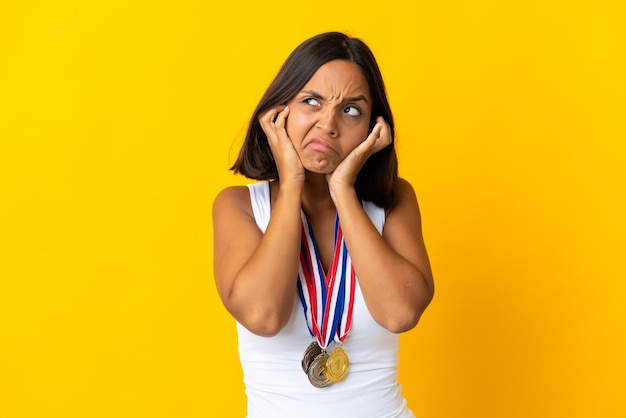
316,195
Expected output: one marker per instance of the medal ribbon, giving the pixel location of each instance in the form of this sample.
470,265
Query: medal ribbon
327,299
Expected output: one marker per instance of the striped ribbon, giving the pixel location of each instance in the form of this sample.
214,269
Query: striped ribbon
327,299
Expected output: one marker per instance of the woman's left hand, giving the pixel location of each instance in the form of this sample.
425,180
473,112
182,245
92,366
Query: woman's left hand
346,172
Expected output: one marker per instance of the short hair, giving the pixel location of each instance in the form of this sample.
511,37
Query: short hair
377,180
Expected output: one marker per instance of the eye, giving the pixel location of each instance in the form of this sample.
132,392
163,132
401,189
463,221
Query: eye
352,111
311,101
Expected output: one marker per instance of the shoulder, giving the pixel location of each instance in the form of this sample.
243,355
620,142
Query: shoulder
234,198
231,193
406,208
405,189
405,194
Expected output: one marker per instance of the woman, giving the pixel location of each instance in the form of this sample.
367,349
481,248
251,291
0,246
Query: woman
322,262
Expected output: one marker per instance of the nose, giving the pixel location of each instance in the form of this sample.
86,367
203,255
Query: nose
327,122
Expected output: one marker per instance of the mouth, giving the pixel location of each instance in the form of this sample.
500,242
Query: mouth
320,145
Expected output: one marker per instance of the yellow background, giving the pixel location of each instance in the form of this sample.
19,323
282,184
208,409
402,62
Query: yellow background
118,121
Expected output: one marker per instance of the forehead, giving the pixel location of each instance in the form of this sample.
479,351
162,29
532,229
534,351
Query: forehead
339,78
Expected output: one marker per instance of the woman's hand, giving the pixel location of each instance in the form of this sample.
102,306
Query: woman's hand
346,172
288,164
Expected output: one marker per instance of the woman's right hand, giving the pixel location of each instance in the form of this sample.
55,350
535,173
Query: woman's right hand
273,122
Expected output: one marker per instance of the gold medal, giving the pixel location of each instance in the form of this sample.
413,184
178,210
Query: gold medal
337,365
312,351
316,374
328,318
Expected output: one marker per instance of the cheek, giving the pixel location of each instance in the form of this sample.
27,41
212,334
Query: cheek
296,125
365,131
361,134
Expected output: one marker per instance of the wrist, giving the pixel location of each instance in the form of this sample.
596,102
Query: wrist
290,189
342,193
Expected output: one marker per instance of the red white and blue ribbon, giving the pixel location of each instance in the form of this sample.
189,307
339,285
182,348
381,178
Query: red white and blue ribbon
327,299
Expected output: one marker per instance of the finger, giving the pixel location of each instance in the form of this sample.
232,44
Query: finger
382,134
270,115
377,128
278,109
385,134
373,137
267,115
266,120
281,118
378,139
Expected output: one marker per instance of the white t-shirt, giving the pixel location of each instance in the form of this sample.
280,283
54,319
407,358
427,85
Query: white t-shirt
277,387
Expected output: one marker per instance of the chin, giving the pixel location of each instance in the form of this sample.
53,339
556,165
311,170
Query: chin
320,167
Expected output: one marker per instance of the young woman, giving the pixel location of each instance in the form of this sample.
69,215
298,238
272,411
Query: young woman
322,262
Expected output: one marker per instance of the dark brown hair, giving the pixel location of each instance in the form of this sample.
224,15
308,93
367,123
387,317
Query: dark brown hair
377,180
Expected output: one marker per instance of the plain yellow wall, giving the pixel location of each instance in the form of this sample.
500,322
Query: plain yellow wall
118,121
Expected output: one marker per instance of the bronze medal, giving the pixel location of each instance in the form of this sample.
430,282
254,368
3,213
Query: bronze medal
328,318
312,351
316,374
337,365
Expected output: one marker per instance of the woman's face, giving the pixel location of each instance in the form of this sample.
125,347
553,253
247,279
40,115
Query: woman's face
330,116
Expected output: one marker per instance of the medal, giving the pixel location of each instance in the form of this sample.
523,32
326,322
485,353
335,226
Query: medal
337,365
312,351
316,374
328,302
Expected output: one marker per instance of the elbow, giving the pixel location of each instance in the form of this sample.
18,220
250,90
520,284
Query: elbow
262,317
402,323
265,324
264,329
404,319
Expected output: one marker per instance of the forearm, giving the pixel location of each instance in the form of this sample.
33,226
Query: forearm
263,290
395,289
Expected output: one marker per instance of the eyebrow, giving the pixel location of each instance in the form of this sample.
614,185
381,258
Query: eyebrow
317,95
